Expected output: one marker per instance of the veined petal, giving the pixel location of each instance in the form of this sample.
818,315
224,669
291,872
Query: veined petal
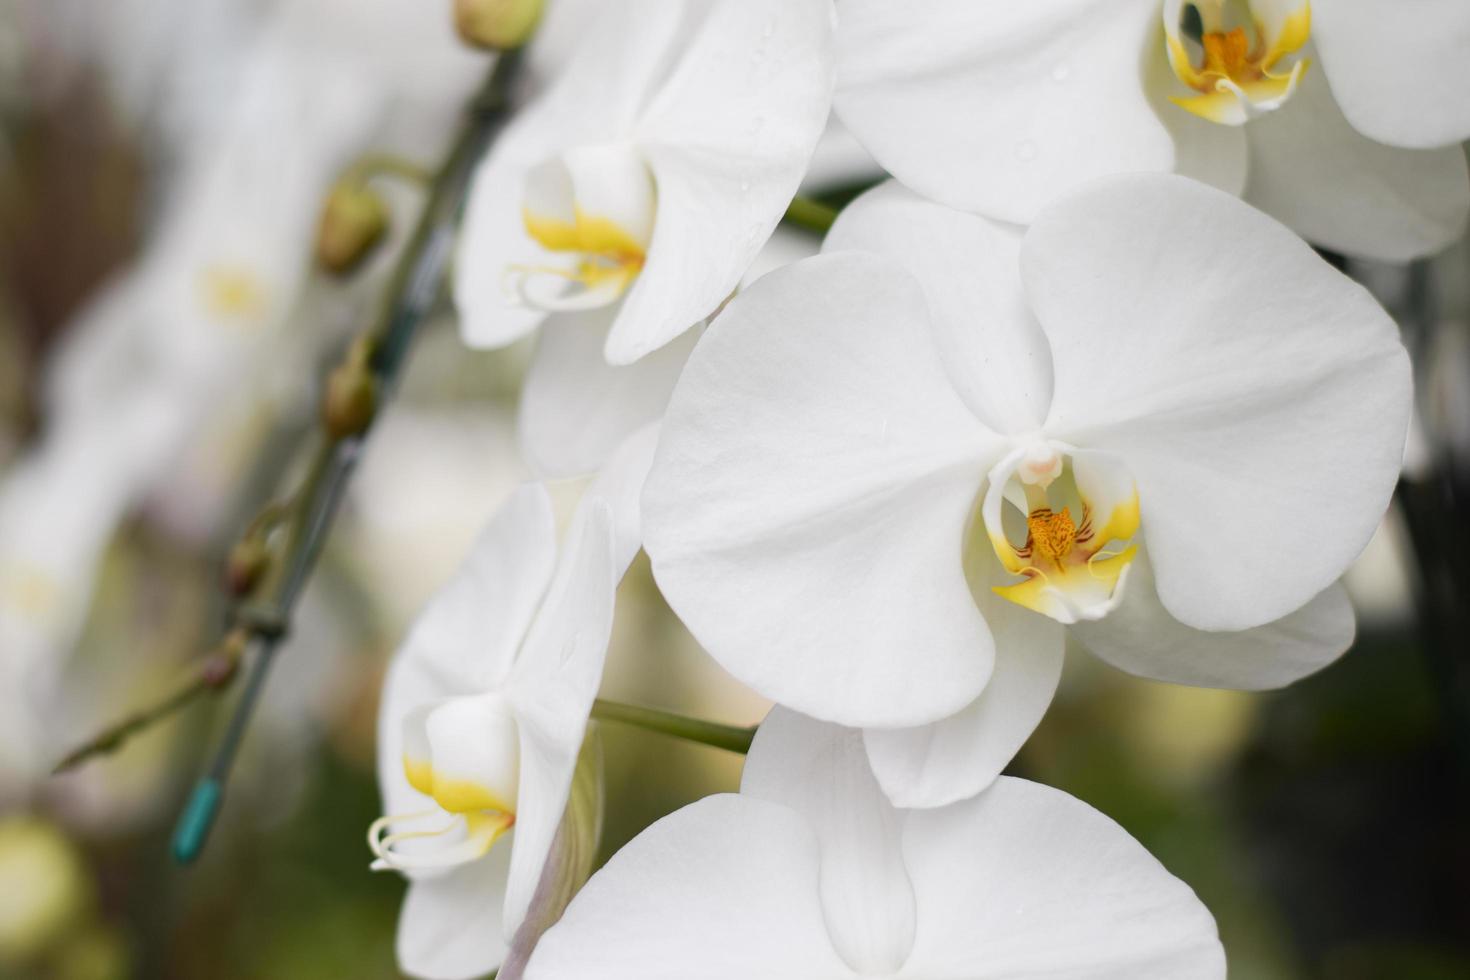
725,177
575,407
1142,638
995,106
724,889
552,686
448,928
1024,880
1398,70
957,757
821,771
808,502
1342,190
969,267
597,98
1258,397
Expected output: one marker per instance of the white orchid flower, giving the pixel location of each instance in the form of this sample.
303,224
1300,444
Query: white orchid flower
1342,118
892,473
624,206
484,711
811,874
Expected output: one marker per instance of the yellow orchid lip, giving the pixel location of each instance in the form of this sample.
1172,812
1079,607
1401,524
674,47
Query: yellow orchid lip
1072,566
453,794
1232,53
596,205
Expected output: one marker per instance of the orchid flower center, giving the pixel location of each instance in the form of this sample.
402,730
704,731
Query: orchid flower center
463,753
1074,517
1235,54
595,206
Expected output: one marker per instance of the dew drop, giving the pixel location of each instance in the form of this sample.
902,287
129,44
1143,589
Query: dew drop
1061,73
1025,150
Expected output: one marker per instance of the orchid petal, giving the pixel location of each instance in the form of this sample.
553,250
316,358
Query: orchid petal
724,889
448,927
576,408
995,106
468,635
815,470
1398,70
992,348
552,686
1142,638
1024,880
1236,384
1338,188
957,757
724,178
620,483
821,771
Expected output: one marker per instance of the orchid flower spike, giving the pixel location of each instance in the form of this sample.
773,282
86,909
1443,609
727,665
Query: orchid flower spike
893,476
1342,118
484,712
624,205
811,874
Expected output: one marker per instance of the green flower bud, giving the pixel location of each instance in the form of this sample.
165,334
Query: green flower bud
354,220
246,562
496,25
351,398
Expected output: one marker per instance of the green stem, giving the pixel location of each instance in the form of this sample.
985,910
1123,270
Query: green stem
115,735
809,214
731,738
408,297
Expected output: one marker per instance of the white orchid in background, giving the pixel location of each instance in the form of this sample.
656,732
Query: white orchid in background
811,874
156,355
1342,118
624,206
484,712
890,474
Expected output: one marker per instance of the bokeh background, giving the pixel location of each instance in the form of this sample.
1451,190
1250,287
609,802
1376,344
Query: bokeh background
1327,826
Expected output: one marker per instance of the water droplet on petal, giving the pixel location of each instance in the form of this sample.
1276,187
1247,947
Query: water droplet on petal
1025,150
1061,73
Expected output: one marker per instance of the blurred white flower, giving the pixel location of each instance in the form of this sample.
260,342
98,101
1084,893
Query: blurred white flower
203,315
629,200
1343,120
811,873
891,473
484,711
